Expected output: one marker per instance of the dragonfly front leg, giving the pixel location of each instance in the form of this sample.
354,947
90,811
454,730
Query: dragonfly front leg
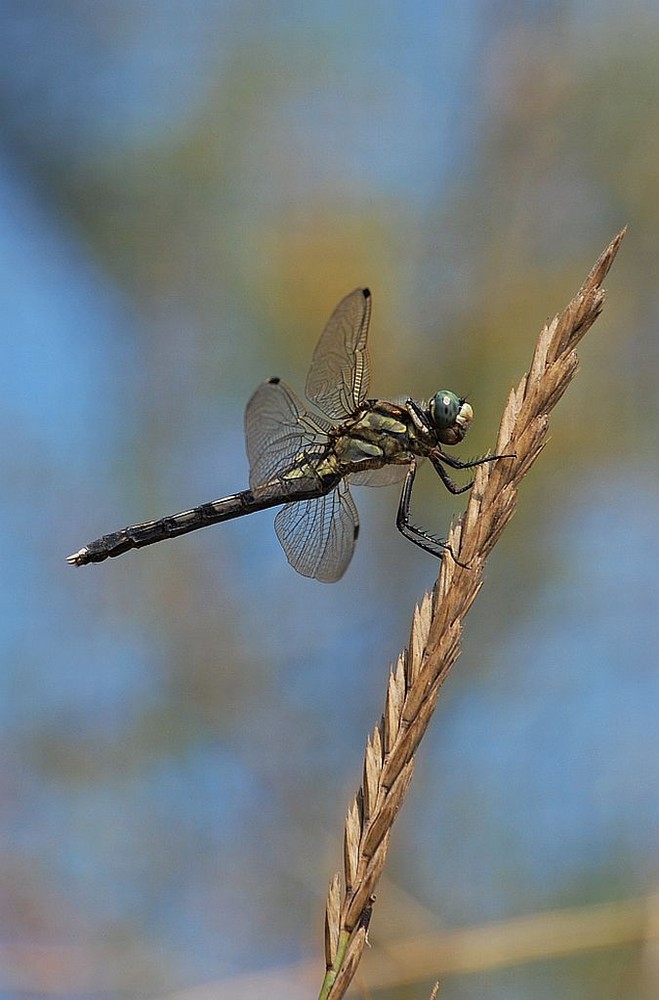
446,479
439,458
430,543
438,455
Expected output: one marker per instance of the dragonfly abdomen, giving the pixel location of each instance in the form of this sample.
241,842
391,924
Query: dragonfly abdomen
136,536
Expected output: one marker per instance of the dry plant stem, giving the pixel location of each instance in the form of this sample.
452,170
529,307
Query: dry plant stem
415,681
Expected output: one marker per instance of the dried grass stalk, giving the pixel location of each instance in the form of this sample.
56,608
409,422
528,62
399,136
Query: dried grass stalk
434,646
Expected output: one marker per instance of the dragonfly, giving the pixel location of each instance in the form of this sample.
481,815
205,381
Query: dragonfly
306,460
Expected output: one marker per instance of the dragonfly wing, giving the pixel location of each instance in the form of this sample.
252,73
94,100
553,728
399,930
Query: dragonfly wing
338,378
318,536
279,430
386,476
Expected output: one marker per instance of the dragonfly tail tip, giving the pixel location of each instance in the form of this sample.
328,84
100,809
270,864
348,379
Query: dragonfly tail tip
78,558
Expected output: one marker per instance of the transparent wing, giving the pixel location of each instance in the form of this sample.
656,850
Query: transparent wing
386,476
278,429
338,378
318,536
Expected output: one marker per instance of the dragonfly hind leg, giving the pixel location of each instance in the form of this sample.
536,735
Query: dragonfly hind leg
429,543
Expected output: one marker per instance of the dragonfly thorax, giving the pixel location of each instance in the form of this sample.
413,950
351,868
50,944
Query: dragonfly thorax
380,433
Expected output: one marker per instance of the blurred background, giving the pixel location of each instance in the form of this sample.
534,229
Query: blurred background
187,188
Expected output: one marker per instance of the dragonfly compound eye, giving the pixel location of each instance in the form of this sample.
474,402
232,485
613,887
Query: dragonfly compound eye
444,409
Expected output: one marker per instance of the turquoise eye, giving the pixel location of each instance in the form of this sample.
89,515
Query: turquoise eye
444,408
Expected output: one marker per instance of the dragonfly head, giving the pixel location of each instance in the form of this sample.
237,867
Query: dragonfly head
450,415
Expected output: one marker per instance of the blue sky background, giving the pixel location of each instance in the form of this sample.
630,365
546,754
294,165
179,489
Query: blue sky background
186,190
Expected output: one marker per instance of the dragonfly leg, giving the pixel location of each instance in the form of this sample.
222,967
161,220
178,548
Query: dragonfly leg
446,479
430,543
455,463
